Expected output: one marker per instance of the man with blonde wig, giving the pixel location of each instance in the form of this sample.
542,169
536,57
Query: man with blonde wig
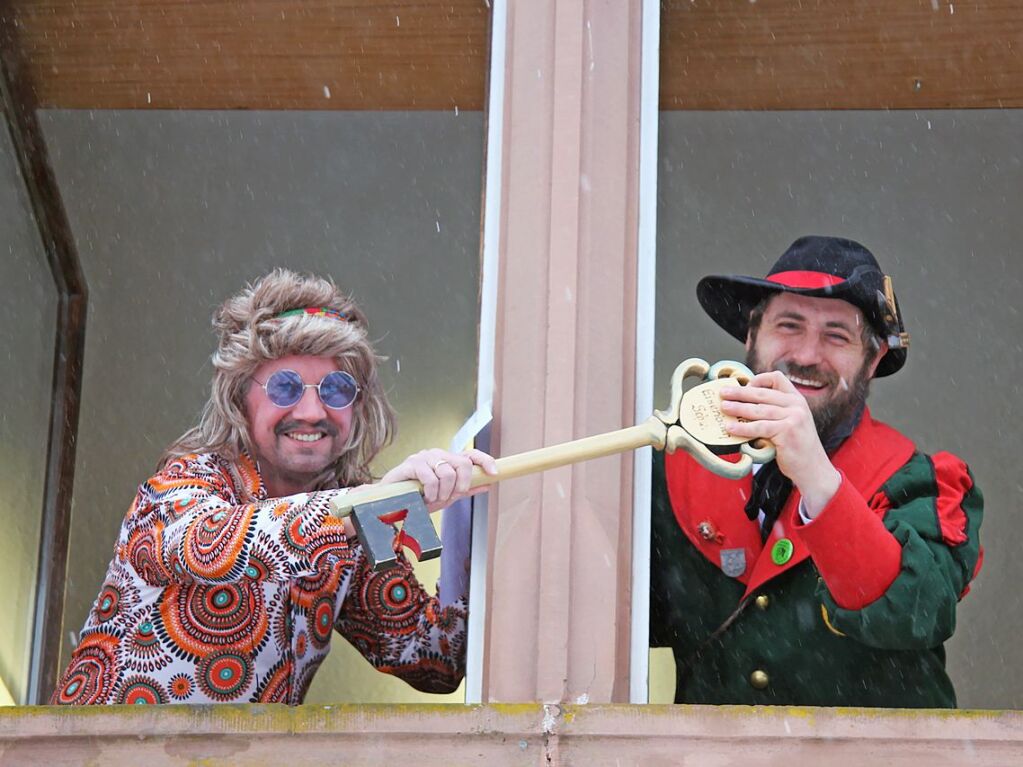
230,573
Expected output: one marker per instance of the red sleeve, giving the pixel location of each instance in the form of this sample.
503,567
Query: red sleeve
954,483
855,554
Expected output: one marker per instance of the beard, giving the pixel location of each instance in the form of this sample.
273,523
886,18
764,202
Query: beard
846,400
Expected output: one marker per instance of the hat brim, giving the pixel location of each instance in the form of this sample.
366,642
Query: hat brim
729,299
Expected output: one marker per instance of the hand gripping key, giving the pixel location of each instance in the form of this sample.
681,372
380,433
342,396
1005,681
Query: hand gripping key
693,422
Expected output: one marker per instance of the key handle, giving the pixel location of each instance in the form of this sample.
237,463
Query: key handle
696,424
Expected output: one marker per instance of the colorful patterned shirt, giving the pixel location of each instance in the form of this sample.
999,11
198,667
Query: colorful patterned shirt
219,594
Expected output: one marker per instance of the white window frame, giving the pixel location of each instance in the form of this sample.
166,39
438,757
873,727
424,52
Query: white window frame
646,277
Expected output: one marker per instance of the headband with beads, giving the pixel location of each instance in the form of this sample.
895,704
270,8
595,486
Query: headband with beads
317,311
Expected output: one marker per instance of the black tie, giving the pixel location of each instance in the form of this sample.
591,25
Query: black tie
771,490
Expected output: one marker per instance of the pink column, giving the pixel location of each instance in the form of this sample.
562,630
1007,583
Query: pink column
559,558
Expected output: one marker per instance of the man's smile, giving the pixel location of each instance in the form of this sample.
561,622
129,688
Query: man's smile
315,436
808,380
812,384
305,433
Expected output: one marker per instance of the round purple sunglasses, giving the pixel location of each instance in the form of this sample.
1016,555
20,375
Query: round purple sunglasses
337,390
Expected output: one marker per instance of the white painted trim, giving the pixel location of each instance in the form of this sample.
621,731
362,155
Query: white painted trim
488,328
646,265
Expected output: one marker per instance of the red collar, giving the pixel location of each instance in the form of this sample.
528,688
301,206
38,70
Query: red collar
711,509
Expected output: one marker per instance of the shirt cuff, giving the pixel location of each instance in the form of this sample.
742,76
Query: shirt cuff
803,516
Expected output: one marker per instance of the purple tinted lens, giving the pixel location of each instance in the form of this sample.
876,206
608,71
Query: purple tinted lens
284,388
338,390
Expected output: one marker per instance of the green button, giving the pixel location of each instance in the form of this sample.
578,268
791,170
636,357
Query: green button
781,552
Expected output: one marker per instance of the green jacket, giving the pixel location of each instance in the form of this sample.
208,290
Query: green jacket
857,614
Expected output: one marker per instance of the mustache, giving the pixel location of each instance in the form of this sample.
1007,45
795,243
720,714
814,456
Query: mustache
290,423
806,371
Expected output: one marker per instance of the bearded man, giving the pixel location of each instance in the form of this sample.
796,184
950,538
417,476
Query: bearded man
831,578
230,573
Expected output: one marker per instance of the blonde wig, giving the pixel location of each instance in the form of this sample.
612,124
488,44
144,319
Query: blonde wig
250,333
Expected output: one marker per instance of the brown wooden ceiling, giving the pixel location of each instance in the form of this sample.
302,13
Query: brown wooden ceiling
841,54
433,54
252,54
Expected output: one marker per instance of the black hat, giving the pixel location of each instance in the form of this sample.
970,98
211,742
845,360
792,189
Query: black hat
820,267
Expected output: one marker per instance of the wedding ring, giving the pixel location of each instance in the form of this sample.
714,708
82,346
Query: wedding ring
440,463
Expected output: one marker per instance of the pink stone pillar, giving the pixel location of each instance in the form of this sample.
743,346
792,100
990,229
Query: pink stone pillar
558,612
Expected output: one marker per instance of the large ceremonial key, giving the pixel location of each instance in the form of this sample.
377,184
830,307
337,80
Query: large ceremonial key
693,422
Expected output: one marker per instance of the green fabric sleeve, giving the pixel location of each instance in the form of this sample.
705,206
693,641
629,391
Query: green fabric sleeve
918,609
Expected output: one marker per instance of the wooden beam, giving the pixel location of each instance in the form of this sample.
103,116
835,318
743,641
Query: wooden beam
432,54
51,219
841,54
253,54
